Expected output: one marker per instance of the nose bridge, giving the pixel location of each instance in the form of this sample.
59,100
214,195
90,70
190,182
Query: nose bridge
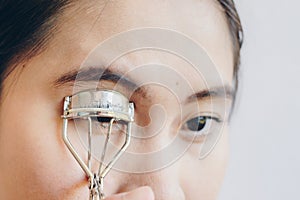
154,111
154,145
151,133
158,134
155,102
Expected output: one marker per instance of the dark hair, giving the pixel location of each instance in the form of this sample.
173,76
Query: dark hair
237,34
26,26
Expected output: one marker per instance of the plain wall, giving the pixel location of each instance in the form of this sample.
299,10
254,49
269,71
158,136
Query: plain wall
265,132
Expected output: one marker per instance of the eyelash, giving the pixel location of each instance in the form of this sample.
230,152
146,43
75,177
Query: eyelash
103,123
100,125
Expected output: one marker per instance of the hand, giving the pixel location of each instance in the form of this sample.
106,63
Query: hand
141,193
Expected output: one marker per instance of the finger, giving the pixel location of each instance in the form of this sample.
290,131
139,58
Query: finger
141,193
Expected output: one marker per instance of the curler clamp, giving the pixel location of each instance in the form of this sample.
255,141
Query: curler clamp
109,105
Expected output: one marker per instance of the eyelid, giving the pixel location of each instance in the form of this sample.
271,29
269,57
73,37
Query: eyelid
211,115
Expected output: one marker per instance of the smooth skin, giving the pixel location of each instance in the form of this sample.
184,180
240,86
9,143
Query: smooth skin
34,162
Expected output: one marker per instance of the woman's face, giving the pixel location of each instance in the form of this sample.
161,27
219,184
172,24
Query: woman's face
35,163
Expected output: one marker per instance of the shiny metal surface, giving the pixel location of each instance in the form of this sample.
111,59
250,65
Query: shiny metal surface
97,103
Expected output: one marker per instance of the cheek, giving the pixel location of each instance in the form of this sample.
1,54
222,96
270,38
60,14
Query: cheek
203,178
32,152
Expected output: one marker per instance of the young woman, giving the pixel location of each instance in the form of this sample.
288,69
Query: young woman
42,47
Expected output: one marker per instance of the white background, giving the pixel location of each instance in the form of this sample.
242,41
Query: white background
265,133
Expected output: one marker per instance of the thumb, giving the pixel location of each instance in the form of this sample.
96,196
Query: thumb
141,193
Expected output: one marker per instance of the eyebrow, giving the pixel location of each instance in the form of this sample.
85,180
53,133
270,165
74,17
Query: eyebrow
214,92
91,74
100,74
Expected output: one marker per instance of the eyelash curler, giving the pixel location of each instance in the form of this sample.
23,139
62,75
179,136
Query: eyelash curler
107,106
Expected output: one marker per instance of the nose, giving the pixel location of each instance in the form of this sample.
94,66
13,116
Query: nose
164,183
146,162
154,133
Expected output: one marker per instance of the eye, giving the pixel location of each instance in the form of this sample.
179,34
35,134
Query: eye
197,123
198,127
101,125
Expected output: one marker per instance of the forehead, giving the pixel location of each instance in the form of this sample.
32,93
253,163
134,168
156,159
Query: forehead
84,25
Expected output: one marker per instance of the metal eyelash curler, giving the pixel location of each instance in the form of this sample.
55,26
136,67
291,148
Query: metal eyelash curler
109,105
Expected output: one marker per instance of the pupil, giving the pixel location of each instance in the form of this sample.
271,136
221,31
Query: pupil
197,123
